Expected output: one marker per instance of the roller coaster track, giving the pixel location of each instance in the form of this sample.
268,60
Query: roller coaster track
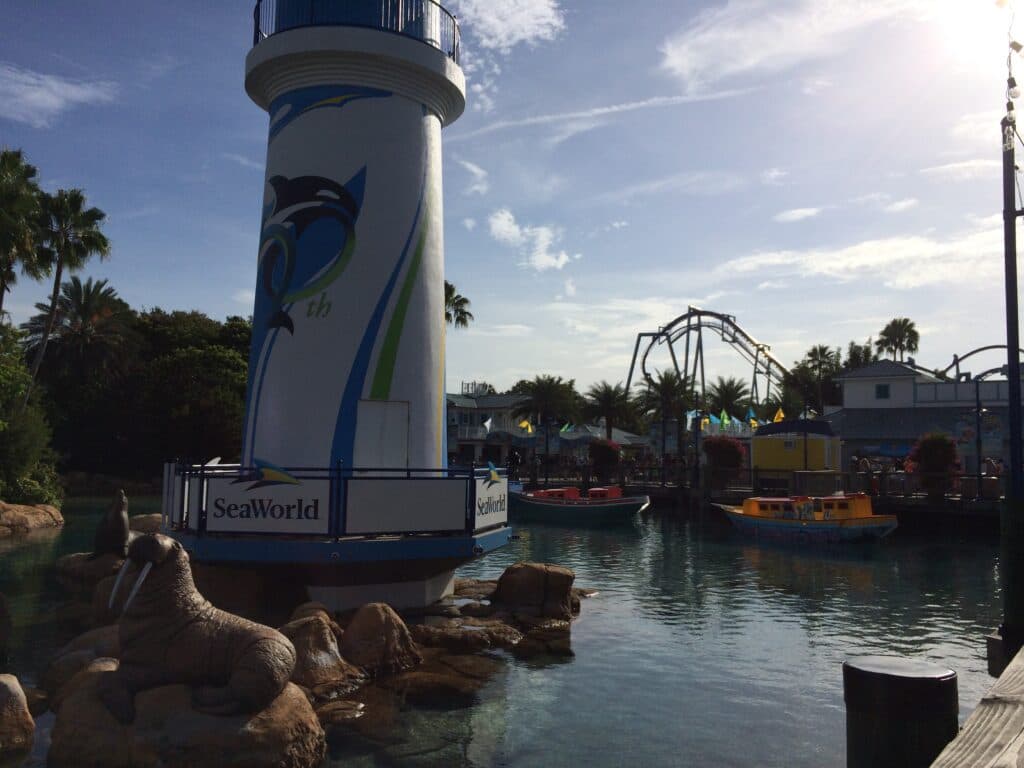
687,331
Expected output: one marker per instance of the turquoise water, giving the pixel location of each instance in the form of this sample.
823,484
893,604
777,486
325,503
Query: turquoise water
701,648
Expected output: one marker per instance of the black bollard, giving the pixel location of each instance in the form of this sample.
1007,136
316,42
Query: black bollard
899,712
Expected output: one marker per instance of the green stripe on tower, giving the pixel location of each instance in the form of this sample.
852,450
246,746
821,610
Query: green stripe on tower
381,387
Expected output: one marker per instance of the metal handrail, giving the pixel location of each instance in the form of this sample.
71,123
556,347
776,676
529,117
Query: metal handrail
423,20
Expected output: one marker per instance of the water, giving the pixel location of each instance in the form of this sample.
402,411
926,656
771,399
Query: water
701,648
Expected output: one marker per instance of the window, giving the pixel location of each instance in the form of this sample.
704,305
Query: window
788,445
881,391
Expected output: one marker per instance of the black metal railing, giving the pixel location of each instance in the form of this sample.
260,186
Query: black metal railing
423,20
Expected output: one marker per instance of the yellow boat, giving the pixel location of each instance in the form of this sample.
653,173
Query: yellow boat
813,519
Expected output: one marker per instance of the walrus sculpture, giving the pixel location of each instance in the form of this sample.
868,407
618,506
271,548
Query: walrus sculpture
113,535
170,633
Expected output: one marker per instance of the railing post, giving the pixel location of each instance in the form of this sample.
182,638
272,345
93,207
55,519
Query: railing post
256,23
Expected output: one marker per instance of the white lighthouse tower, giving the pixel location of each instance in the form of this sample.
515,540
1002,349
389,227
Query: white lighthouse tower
343,480
347,361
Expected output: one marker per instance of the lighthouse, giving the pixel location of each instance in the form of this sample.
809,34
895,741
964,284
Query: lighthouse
347,357
343,478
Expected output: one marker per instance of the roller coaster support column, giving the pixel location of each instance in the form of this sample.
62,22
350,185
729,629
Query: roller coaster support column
1011,561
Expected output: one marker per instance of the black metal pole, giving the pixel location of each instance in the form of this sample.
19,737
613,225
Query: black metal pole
977,435
1011,564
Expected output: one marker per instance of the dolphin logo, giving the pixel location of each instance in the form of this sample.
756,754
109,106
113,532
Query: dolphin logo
307,241
493,478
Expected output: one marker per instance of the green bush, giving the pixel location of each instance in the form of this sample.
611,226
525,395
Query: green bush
40,486
935,460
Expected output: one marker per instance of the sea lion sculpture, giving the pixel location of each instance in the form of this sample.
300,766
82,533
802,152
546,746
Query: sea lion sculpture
113,534
170,633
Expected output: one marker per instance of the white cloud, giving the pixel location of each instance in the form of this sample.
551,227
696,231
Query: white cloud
500,25
562,132
502,330
247,297
619,224
964,170
570,288
773,177
771,285
903,262
655,102
535,244
469,224
479,183
813,85
699,183
901,205
31,97
796,214
744,38
978,128
243,161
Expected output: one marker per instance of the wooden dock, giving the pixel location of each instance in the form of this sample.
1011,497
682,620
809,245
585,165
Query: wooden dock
993,736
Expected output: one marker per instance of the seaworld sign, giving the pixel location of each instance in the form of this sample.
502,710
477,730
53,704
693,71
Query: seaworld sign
491,502
301,506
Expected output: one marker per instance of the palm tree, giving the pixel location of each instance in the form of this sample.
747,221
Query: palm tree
899,335
665,396
859,355
728,395
89,331
823,362
456,307
607,401
19,214
547,398
69,235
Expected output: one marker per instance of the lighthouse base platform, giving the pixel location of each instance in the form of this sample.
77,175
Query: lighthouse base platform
345,538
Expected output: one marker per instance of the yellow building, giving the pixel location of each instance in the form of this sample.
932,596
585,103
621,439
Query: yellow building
796,445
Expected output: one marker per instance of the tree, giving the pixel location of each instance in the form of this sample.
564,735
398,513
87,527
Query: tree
607,401
456,307
26,469
88,335
824,364
728,395
192,403
665,397
19,218
547,398
69,236
859,355
899,335
935,460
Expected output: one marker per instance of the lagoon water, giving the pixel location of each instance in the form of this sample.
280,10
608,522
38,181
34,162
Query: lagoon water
701,649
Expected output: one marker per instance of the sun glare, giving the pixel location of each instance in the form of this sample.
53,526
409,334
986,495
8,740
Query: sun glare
974,31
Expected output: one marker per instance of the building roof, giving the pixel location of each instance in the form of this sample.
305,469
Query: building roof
485,402
796,426
883,369
900,423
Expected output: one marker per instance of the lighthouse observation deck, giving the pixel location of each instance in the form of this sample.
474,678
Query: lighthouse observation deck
423,20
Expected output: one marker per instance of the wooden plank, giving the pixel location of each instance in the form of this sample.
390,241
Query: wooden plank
993,736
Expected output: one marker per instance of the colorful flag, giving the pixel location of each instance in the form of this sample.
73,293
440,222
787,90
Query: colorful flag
565,427
754,424
724,417
487,424
751,416
525,424
705,423
779,415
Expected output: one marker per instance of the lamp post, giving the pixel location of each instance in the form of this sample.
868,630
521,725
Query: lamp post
1011,562
978,412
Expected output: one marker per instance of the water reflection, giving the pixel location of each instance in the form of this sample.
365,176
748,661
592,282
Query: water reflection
702,648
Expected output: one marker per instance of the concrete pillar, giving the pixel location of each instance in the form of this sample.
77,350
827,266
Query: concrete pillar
347,359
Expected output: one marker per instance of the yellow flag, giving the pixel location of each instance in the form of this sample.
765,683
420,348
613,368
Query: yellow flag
754,424
525,424
779,416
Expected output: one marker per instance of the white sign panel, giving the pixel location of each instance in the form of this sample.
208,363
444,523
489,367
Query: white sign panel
405,505
491,502
251,507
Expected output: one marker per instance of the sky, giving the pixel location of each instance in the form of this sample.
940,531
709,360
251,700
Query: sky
812,167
